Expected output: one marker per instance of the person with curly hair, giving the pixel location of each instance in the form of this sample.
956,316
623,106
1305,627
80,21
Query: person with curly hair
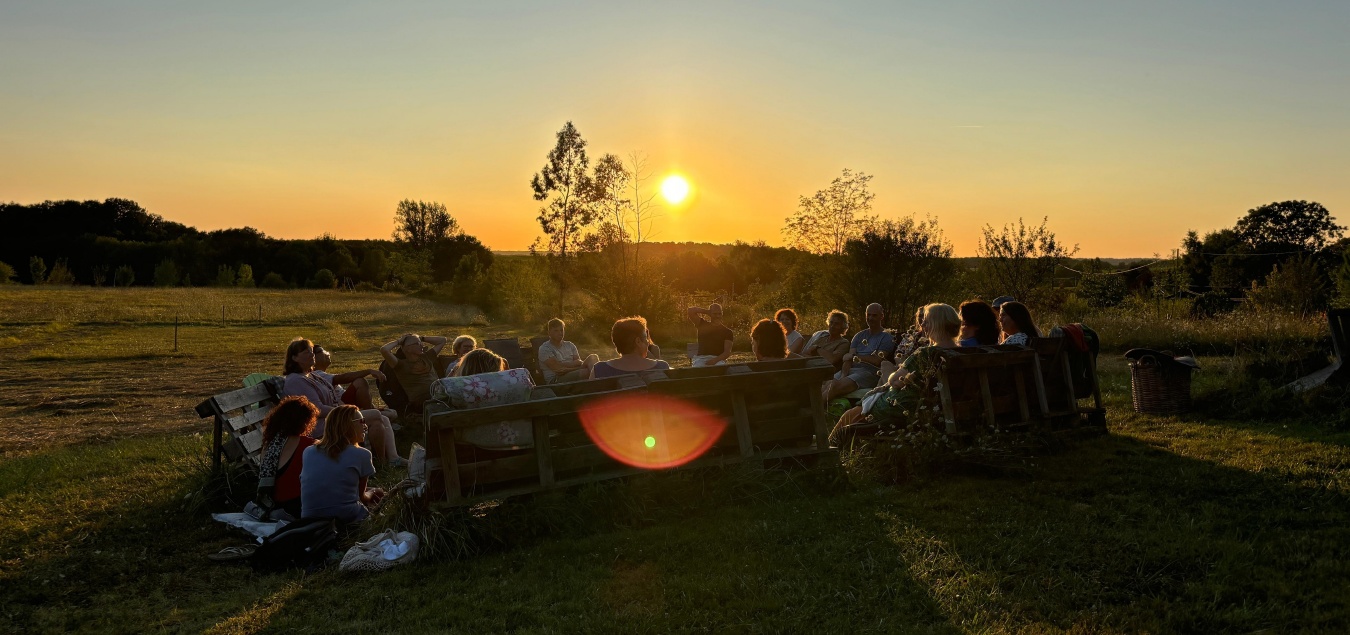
768,341
286,432
795,340
301,380
632,341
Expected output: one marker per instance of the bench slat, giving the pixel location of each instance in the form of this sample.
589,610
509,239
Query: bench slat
243,397
251,417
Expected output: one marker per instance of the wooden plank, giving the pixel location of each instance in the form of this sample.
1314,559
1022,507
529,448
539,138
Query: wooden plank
507,412
1067,372
543,450
249,418
949,412
1038,378
252,441
445,438
236,399
741,420
822,424
217,439
986,398
970,361
1022,407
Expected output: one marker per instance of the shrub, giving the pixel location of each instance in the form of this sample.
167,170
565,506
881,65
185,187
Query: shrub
125,276
37,270
1211,304
1296,286
60,274
166,273
273,280
323,279
245,278
1103,291
224,276
7,274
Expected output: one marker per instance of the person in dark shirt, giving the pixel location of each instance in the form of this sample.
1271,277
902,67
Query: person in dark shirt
714,338
632,341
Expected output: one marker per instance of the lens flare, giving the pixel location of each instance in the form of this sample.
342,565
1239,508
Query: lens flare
651,431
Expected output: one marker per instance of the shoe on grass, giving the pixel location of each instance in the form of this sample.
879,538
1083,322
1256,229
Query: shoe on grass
230,554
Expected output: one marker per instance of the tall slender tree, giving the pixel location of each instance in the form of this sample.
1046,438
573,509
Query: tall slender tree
566,186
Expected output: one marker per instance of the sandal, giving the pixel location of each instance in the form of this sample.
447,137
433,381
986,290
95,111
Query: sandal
397,462
229,554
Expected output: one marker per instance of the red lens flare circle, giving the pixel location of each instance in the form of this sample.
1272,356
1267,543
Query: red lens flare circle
651,431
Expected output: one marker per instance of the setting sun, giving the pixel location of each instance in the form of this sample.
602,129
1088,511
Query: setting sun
674,188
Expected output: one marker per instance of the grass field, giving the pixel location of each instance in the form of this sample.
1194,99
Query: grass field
1165,525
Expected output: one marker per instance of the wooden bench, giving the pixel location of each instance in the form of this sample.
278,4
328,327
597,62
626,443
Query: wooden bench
773,410
239,414
1012,388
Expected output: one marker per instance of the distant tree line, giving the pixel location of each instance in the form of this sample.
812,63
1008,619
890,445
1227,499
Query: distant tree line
117,242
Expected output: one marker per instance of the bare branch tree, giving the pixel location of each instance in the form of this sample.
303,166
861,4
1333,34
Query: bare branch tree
827,220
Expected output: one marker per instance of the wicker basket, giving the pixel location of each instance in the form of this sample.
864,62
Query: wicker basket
1160,386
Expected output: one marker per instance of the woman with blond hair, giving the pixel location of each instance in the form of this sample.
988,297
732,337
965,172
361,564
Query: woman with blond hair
899,396
336,469
318,388
459,348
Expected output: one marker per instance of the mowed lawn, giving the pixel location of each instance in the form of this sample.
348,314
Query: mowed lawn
1164,525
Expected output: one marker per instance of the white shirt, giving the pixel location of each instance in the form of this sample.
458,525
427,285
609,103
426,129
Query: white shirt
567,352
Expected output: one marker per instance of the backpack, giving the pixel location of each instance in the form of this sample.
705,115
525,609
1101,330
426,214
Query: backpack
1083,360
302,544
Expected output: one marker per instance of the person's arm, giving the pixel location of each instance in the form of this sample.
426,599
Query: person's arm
296,386
832,354
694,314
726,352
801,342
347,378
437,343
848,362
387,351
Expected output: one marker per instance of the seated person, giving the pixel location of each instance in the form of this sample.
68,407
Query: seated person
285,437
631,340
352,388
416,369
768,341
335,471
831,344
941,325
795,340
459,348
714,338
868,349
979,324
478,361
559,359
302,381
1016,322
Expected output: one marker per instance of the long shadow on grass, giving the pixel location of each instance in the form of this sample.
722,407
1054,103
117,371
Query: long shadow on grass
101,537
1122,535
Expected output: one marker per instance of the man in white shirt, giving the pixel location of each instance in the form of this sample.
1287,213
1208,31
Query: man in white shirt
559,360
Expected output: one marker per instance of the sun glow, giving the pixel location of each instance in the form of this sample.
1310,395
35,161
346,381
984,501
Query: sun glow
674,189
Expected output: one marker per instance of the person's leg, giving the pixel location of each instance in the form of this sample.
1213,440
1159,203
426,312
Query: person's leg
360,394
838,388
381,436
572,375
850,416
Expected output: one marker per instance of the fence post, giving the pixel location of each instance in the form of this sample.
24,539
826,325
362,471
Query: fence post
222,315
175,332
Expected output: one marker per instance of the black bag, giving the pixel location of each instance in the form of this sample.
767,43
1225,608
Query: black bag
302,544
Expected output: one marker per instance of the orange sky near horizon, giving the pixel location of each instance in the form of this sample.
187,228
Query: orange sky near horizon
1126,126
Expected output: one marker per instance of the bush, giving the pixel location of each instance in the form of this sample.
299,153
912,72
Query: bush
273,280
245,279
60,274
37,270
1103,291
323,279
166,274
125,276
7,274
1296,286
1211,304
224,276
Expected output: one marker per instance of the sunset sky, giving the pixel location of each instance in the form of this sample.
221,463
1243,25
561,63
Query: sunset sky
1126,124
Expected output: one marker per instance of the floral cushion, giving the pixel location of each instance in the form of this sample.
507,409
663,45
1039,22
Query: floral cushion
489,389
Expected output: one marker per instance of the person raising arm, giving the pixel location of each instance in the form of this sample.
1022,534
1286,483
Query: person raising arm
714,338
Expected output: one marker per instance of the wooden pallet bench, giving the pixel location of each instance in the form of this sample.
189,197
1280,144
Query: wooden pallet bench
773,410
237,416
1012,388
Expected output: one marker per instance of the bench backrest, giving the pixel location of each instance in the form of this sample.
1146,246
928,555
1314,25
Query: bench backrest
776,411
239,414
509,349
988,386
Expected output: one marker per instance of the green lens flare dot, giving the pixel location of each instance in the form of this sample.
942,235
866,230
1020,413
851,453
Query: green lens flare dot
650,442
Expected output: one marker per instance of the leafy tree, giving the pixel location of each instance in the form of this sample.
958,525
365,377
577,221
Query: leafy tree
37,270
421,224
245,278
567,187
910,257
166,273
374,266
1343,279
99,274
323,279
446,255
340,262
410,269
1296,285
224,276
1301,225
125,276
827,220
7,274
1020,261
1102,289
273,280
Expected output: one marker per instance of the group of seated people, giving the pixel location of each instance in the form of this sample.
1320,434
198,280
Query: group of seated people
315,441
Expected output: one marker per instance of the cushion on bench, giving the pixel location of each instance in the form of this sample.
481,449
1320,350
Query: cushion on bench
489,389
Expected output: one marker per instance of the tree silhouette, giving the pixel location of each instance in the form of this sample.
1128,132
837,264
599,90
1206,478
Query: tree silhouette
421,224
1301,225
1020,260
565,184
825,221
